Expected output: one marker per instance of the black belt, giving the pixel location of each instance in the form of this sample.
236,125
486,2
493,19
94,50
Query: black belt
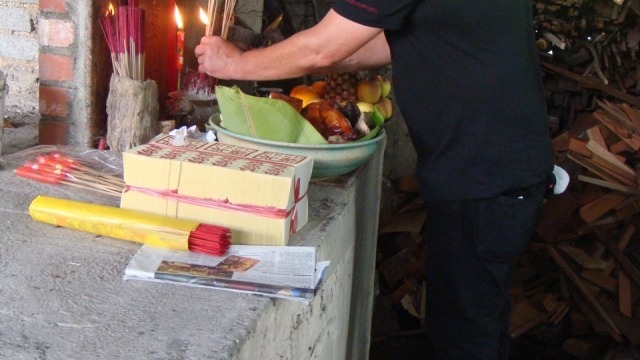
534,190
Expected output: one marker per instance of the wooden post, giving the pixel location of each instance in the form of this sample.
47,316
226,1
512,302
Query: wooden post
132,109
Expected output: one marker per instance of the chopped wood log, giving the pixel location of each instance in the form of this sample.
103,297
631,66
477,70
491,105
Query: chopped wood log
622,147
601,279
592,83
594,134
597,170
611,327
525,316
620,257
582,258
609,185
560,313
628,327
626,236
633,114
610,158
614,171
132,109
624,294
597,208
617,115
630,138
598,324
579,146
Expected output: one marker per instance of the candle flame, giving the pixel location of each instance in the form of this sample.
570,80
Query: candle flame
203,17
178,18
111,10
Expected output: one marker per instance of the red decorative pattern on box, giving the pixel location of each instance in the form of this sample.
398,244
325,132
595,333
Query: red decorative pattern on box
280,157
222,161
198,158
221,148
172,153
219,154
276,170
253,166
148,150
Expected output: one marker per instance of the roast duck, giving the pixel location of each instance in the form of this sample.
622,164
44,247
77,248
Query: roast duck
333,122
329,121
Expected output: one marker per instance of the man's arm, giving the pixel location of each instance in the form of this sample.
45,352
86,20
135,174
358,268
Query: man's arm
335,44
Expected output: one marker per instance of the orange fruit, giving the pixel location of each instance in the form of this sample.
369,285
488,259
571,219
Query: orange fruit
304,93
319,87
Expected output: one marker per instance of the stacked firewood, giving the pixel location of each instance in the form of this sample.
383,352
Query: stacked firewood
591,236
581,276
598,38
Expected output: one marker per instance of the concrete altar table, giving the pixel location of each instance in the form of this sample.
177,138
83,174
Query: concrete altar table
62,293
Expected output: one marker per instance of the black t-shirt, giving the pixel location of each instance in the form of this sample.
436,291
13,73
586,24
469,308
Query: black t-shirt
466,75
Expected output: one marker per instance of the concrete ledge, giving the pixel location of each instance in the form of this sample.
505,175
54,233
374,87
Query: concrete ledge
63,296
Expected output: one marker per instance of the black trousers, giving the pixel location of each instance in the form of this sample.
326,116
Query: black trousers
472,247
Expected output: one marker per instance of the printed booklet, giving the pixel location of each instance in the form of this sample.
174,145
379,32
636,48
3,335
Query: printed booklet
288,272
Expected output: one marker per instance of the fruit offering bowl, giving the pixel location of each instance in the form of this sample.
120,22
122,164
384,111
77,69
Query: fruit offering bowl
329,160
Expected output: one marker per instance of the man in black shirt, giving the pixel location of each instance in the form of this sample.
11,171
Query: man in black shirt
467,79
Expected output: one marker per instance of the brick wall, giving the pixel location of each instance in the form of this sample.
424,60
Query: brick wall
61,93
19,52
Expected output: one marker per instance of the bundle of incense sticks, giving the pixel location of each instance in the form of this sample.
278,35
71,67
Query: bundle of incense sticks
124,30
226,17
58,169
131,225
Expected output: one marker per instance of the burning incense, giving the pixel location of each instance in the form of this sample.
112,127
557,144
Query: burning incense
124,30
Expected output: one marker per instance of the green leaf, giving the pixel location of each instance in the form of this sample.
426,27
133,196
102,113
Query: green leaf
378,121
264,118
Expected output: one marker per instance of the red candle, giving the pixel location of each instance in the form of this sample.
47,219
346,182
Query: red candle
172,57
179,44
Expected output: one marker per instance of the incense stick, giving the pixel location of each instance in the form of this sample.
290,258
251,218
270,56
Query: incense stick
227,17
56,169
124,30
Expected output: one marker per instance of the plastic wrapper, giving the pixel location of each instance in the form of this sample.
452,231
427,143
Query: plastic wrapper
89,169
130,225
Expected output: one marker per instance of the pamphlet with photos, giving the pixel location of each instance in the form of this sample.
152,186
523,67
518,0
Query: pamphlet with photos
289,272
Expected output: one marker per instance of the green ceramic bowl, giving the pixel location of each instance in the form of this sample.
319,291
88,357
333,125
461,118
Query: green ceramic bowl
329,160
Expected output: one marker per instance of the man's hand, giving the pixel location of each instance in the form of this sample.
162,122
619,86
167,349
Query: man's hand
216,57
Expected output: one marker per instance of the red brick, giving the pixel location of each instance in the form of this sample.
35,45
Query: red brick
56,67
54,133
58,6
55,32
54,101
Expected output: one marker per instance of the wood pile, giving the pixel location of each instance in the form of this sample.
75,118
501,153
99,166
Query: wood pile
591,235
587,48
580,279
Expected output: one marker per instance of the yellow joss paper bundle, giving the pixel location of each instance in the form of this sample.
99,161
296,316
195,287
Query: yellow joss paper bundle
130,225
